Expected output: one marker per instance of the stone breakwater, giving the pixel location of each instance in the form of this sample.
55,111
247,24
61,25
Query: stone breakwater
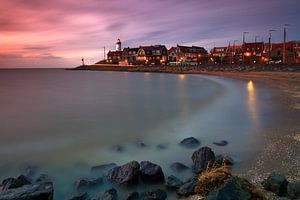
211,179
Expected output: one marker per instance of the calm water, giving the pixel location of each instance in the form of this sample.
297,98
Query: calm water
63,122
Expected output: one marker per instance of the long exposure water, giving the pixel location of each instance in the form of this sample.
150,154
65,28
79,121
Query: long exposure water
63,122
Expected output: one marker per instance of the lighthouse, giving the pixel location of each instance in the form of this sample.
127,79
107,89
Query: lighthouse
118,45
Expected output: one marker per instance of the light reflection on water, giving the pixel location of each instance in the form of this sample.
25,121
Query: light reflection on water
251,101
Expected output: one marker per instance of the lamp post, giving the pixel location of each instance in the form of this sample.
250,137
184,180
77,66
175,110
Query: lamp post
244,34
233,51
270,44
284,44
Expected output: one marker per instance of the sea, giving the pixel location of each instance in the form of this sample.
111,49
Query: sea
63,122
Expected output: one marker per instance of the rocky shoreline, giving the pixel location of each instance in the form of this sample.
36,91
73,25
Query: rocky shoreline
211,179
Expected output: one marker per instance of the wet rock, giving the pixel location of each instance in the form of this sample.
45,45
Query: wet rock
223,159
234,188
221,143
276,183
11,183
110,194
156,194
179,167
133,196
36,191
201,158
188,187
293,190
173,182
43,178
140,144
190,142
103,168
127,174
81,196
118,148
161,146
88,182
151,173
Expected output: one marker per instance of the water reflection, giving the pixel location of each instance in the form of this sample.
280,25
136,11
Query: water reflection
181,76
251,101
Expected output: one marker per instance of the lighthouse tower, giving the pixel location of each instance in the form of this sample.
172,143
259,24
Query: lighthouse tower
118,45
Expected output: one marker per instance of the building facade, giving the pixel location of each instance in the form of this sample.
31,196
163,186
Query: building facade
188,55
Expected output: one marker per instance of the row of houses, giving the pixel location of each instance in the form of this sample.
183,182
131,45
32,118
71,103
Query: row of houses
248,53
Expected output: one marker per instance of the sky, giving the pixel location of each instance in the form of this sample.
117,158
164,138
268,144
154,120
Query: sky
58,33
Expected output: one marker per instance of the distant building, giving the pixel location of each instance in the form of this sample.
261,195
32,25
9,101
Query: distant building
187,55
152,55
130,55
275,52
226,55
118,45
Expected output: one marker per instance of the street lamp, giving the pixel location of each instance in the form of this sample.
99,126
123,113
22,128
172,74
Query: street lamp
284,44
244,34
233,50
270,44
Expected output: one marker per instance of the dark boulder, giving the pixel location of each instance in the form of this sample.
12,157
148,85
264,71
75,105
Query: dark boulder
110,194
43,178
202,158
179,167
11,183
293,190
88,182
188,187
173,182
127,174
221,143
151,173
36,191
223,159
133,196
140,144
81,196
190,142
234,188
276,183
103,168
156,194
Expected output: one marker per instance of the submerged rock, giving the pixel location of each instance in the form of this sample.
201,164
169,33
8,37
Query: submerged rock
151,173
156,194
133,196
221,143
88,182
276,183
161,146
223,159
173,182
127,174
234,188
110,194
179,167
201,158
36,191
81,196
190,142
11,183
118,148
188,187
140,144
103,168
293,190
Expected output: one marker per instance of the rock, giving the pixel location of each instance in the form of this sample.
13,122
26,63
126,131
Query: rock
161,146
43,178
188,187
151,173
190,142
234,188
156,194
201,158
173,182
221,143
88,182
110,194
276,183
140,144
223,158
81,196
179,167
127,174
36,191
133,196
293,190
118,148
103,168
11,183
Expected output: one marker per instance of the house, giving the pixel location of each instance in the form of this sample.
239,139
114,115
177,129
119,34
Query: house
130,55
152,55
187,55
226,55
